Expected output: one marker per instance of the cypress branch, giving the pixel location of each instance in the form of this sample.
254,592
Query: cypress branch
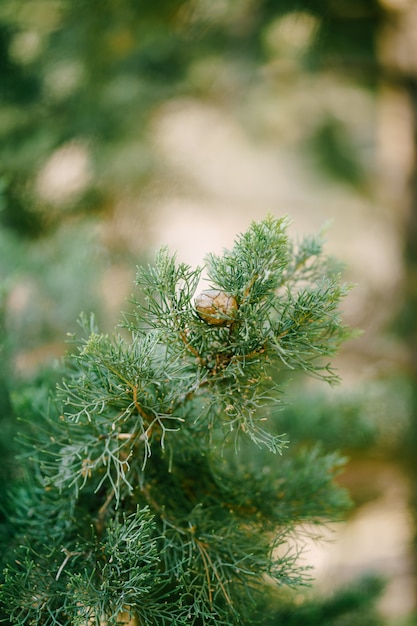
145,504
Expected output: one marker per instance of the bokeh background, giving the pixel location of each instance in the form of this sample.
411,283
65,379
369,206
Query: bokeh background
126,125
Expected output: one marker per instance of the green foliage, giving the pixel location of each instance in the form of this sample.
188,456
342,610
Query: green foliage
353,604
335,153
106,576
143,498
356,421
92,75
7,448
48,284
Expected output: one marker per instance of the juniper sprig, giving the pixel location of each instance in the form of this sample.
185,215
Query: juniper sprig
144,503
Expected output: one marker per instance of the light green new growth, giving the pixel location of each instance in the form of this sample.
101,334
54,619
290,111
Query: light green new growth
142,506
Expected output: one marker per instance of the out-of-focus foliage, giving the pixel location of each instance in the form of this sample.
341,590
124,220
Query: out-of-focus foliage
353,604
81,83
375,416
6,442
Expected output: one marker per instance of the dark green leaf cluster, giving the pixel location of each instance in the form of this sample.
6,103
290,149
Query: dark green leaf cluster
141,507
352,604
101,577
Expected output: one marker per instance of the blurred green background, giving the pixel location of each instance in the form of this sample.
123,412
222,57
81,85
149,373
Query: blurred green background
127,124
